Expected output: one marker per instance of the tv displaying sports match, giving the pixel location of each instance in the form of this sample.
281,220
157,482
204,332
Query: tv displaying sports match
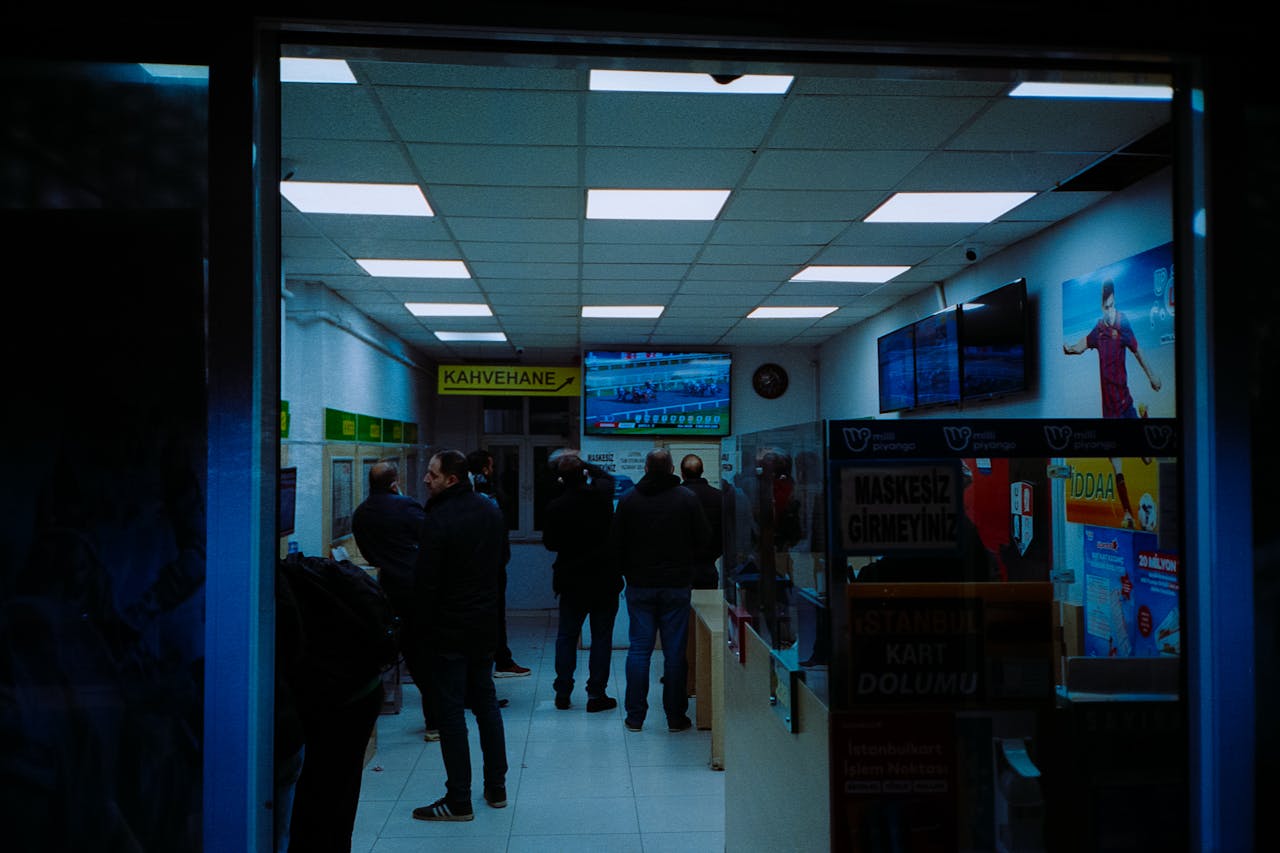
656,393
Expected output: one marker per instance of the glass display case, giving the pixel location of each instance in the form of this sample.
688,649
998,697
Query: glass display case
775,552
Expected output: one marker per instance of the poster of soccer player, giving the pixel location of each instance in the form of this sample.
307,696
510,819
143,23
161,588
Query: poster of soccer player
1118,329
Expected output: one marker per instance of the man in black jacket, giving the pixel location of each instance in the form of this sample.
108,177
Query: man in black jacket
387,527
658,529
457,604
576,526
705,575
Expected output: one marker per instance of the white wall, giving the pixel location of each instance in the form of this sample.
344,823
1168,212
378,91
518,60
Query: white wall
1126,223
335,357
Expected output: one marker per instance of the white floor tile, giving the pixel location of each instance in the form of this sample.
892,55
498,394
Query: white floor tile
680,814
683,842
575,844
585,815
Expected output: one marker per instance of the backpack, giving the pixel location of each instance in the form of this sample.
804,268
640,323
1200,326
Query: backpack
352,636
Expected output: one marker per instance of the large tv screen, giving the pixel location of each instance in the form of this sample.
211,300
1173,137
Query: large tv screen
656,393
938,358
897,364
993,335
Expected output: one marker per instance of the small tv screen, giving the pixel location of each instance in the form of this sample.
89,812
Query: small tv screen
656,393
993,342
286,500
938,358
896,360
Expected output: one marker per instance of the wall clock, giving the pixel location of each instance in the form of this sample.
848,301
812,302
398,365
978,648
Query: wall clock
770,381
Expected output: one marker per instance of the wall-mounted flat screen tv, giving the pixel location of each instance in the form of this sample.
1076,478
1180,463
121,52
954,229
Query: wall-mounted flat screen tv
938,358
656,393
993,335
897,364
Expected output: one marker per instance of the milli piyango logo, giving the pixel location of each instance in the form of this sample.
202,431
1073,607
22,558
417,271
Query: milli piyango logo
856,438
1058,436
1159,436
957,437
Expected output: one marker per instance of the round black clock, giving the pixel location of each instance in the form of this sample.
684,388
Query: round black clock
770,381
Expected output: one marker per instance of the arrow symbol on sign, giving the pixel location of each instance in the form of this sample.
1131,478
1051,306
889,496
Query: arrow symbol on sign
564,384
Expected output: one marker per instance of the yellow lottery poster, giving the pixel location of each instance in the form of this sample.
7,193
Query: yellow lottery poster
1122,492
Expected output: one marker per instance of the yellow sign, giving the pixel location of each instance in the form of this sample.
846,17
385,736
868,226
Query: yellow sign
1114,493
512,380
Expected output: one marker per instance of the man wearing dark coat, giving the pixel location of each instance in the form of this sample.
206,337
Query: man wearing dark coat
705,575
575,525
658,529
387,527
457,603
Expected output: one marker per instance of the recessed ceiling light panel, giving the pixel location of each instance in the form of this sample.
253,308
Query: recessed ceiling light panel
303,70
863,275
622,311
180,72
448,309
369,199
947,207
679,81
490,337
1096,91
688,205
785,312
395,268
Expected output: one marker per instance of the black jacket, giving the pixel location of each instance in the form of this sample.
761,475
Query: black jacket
457,591
658,530
576,526
709,497
388,527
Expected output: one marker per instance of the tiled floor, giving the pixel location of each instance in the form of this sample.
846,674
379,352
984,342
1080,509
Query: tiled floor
578,781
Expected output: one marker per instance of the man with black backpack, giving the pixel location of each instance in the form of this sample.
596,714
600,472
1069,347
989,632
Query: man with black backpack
458,606
349,638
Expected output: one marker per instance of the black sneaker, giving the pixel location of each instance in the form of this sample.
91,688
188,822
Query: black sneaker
441,809
496,796
633,726
562,701
681,725
601,703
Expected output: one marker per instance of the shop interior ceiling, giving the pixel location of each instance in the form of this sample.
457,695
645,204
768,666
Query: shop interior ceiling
505,149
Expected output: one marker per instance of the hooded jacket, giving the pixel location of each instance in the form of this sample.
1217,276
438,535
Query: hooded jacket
658,530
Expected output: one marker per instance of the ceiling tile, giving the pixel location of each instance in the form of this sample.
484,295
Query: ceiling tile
646,119
460,76
505,202
831,170
801,206
497,165
621,253
735,233
953,171
380,162
323,111
482,117
510,230
875,123
665,168
1061,124
651,233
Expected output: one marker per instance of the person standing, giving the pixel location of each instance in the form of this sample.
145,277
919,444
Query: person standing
658,529
480,469
585,578
705,575
387,527
457,602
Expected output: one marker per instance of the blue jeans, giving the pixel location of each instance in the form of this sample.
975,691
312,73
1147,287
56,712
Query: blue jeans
657,611
575,607
460,682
